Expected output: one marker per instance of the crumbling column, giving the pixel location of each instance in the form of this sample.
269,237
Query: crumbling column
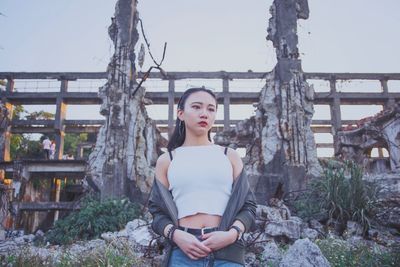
122,163
6,111
280,146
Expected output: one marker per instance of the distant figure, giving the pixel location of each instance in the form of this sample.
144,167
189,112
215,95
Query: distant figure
52,149
46,147
68,156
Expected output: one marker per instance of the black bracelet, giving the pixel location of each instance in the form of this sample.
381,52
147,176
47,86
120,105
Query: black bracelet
238,230
171,232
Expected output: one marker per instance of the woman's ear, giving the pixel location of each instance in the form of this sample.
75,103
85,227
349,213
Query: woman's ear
180,114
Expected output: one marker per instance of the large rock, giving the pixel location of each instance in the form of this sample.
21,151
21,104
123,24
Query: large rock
139,232
388,196
272,213
271,254
288,228
304,253
309,233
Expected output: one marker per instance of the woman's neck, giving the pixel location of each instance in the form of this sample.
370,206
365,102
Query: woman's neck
197,143
192,141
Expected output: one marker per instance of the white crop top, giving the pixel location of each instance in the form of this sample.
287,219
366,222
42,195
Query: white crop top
200,178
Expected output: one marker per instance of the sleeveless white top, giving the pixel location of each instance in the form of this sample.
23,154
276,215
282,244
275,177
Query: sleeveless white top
200,178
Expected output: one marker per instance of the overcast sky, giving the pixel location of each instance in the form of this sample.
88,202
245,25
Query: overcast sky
207,35
71,35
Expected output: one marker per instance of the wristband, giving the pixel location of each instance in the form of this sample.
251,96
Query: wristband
238,230
171,232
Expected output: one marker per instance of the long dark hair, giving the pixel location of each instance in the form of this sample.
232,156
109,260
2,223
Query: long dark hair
179,134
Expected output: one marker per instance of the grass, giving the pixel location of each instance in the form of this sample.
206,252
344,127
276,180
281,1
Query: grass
120,255
340,254
339,195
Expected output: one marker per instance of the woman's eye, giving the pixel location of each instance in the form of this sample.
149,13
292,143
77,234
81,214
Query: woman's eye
211,109
196,107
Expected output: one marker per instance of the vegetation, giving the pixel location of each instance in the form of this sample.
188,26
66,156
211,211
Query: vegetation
340,254
94,218
340,195
121,254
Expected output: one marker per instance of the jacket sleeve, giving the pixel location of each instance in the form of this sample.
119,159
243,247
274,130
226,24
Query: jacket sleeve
247,214
157,209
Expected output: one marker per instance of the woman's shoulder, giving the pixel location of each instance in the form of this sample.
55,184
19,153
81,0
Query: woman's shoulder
163,160
236,161
161,169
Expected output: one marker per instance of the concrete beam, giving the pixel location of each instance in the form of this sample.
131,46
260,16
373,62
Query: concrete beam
72,76
46,206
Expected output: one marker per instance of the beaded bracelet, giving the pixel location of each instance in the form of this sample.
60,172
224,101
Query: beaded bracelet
170,232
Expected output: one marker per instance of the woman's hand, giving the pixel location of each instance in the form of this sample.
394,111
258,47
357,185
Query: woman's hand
190,245
219,239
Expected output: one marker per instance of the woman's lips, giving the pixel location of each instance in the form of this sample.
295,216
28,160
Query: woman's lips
203,124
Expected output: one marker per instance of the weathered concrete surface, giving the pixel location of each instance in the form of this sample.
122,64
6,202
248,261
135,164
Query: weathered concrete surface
122,163
280,146
381,130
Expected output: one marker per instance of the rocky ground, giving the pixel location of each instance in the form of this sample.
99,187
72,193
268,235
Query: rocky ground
279,240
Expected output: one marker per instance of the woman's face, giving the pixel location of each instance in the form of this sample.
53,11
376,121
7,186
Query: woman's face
199,112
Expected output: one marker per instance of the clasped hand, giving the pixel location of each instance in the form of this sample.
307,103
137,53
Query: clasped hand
196,249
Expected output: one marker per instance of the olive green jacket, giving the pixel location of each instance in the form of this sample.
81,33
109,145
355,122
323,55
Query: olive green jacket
241,206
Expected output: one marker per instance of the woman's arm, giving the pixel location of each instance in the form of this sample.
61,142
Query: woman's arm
161,221
247,214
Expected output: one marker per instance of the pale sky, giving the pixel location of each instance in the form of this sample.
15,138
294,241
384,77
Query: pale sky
71,35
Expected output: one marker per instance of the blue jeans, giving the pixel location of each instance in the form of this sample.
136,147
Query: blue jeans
180,259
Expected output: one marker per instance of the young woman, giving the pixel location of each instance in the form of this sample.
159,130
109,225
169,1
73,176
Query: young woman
201,200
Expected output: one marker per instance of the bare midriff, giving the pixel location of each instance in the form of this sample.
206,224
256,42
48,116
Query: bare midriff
200,220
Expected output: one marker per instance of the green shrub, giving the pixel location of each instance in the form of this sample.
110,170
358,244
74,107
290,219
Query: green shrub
340,194
94,218
340,254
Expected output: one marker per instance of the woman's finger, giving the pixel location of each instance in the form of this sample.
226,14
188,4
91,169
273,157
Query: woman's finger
203,247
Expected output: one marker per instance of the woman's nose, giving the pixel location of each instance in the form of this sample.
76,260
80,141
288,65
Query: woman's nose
204,114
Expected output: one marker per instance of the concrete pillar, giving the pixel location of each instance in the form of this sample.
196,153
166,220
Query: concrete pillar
227,102
59,127
57,196
336,116
385,90
171,102
6,138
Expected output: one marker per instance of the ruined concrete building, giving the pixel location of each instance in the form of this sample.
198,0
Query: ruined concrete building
380,131
283,150
279,142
